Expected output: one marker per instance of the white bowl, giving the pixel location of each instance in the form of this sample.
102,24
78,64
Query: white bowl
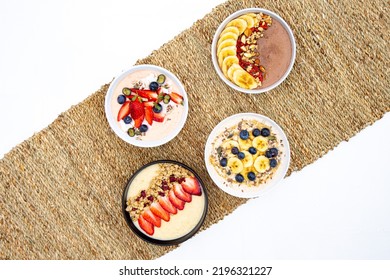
112,117
220,29
240,190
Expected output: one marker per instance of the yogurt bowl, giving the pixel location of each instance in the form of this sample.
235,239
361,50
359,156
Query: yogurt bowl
247,154
253,50
165,202
146,106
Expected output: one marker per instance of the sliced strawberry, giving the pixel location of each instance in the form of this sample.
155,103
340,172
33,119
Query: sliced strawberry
177,98
151,218
181,194
137,113
149,115
148,104
145,225
192,186
158,117
178,203
159,211
159,90
146,93
124,111
167,205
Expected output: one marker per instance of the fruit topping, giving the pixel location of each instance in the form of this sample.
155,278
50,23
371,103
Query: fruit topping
127,119
273,162
153,86
181,193
157,210
148,116
159,117
241,155
191,186
260,143
244,134
178,203
251,176
239,178
261,164
177,98
131,132
265,132
223,162
148,94
143,128
137,113
166,99
124,110
252,150
235,151
161,79
151,218
157,108
121,99
126,91
256,132
236,165
145,225
167,205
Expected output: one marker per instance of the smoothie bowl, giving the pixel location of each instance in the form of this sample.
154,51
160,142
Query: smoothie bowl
253,50
165,202
146,106
247,154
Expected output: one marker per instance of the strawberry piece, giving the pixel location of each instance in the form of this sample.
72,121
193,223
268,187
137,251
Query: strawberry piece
146,93
148,104
167,205
159,90
181,194
192,186
178,203
151,218
137,113
158,117
145,225
149,115
157,210
124,111
177,98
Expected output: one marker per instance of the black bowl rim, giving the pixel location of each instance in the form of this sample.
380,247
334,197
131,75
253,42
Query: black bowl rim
148,238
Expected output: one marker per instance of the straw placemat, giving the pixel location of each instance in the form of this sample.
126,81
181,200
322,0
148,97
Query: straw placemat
60,191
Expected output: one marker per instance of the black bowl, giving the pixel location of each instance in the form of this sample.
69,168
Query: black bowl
151,239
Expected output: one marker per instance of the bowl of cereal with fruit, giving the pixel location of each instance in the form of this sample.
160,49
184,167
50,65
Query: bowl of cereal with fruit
247,154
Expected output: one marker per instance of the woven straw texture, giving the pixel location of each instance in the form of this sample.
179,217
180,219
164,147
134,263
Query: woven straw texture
60,191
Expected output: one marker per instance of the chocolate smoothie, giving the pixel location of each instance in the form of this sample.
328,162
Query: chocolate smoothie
275,52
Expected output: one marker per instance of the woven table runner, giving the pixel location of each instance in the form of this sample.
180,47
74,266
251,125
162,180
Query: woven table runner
60,190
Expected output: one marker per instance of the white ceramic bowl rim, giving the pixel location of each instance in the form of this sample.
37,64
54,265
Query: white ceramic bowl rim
279,174
221,27
112,120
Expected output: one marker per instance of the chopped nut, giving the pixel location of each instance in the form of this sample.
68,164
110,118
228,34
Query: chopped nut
243,38
243,48
248,55
252,47
257,61
262,69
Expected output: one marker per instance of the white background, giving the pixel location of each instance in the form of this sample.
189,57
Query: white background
53,54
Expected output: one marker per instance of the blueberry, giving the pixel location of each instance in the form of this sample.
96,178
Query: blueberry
127,120
244,134
223,162
265,132
256,132
241,155
153,86
252,150
268,154
239,178
273,162
235,151
157,108
121,99
143,128
274,152
251,176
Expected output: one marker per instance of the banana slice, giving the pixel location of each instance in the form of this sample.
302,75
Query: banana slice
235,165
260,143
249,20
247,160
228,51
244,144
232,29
227,62
252,15
227,36
226,43
261,164
229,144
244,79
234,67
239,23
